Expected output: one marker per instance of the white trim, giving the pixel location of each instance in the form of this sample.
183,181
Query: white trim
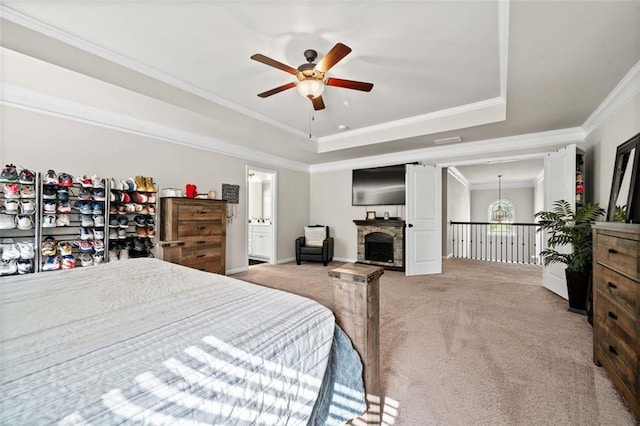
72,40
538,179
503,45
624,91
505,185
273,213
236,270
496,160
455,173
487,146
344,259
286,260
19,97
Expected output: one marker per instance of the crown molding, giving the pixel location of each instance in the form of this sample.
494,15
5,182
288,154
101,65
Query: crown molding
27,99
505,185
624,91
455,173
488,146
77,42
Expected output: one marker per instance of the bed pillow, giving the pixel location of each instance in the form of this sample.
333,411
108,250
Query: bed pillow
314,235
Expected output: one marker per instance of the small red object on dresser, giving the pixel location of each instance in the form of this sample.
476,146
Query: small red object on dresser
191,191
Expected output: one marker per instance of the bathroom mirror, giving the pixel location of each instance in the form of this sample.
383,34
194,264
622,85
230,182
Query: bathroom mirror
625,186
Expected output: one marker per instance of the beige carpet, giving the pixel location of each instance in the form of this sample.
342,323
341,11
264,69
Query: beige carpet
481,344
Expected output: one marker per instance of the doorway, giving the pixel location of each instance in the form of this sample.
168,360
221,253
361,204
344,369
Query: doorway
261,216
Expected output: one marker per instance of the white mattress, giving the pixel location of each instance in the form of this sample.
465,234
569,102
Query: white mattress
145,341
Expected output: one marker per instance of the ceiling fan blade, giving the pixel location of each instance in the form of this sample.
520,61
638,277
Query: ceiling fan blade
350,84
277,90
332,57
318,103
272,62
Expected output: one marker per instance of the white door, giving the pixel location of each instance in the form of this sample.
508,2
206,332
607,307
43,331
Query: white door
423,237
559,184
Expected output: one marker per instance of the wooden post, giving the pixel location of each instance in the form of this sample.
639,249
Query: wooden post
357,310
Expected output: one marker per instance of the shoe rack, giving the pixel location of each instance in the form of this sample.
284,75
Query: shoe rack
18,225
131,219
72,213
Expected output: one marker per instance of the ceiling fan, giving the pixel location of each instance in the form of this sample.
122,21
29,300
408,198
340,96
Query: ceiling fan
311,76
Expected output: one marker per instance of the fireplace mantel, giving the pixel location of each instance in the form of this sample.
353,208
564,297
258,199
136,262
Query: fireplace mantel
391,227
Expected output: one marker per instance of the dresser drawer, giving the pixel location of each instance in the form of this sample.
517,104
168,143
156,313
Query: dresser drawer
200,211
621,290
618,253
619,355
617,321
198,228
200,243
208,265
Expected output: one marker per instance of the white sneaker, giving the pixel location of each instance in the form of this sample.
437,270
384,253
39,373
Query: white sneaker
26,250
11,206
124,254
8,267
98,258
86,260
7,221
86,221
98,220
24,222
25,266
63,220
49,221
27,206
113,255
10,251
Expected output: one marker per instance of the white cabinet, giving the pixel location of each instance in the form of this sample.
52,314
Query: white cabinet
260,241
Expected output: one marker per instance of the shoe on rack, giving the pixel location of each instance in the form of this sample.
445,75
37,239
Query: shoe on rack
26,191
130,207
98,258
49,192
63,194
98,220
151,231
124,254
27,250
115,185
27,177
11,190
121,209
141,232
97,207
151,197
122,233
49,246
86,259
63,207
28,206
123,222
51,263
65,179
149,244
151,209
49,206
84,207
63,220
98,234
7,221
85,234
98,182
68,262
8,267
98,194
86,181
86,221
113,255
85,246
113,222
140,220
50,178
49,221
98,245
85,194
11,206
151,187
24,222
113,234
65,248
9,174
25,266
10,251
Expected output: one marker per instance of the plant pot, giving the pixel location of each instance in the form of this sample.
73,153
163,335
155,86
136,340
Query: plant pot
578,289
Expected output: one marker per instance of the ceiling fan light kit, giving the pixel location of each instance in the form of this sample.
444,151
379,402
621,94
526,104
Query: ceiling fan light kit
311,76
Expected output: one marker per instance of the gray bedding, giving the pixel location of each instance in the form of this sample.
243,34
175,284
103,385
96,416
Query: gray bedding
147,342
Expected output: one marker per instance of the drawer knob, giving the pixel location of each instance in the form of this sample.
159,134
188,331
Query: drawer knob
200,211
611,285
613,350
201,227
612,315
203,255
613,251
200,242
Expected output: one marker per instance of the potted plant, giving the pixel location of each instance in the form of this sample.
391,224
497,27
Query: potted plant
571,229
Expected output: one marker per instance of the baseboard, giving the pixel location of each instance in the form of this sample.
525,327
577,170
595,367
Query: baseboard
344,259
236,270
287,260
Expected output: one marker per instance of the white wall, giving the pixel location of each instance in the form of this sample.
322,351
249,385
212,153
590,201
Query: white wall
522,199
43,141
601,147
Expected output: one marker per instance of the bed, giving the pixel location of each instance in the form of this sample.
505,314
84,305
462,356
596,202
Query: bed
144,341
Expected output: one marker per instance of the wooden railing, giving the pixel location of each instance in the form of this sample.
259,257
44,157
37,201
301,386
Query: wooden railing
497,242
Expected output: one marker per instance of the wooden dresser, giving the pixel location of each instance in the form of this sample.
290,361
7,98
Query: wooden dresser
616,303
202,225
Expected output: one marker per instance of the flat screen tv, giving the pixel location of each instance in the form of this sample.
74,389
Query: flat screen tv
378,186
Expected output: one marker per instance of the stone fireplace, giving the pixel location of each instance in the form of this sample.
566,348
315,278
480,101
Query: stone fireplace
381,242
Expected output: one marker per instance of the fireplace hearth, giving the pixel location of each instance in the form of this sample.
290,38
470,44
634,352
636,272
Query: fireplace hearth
381,242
